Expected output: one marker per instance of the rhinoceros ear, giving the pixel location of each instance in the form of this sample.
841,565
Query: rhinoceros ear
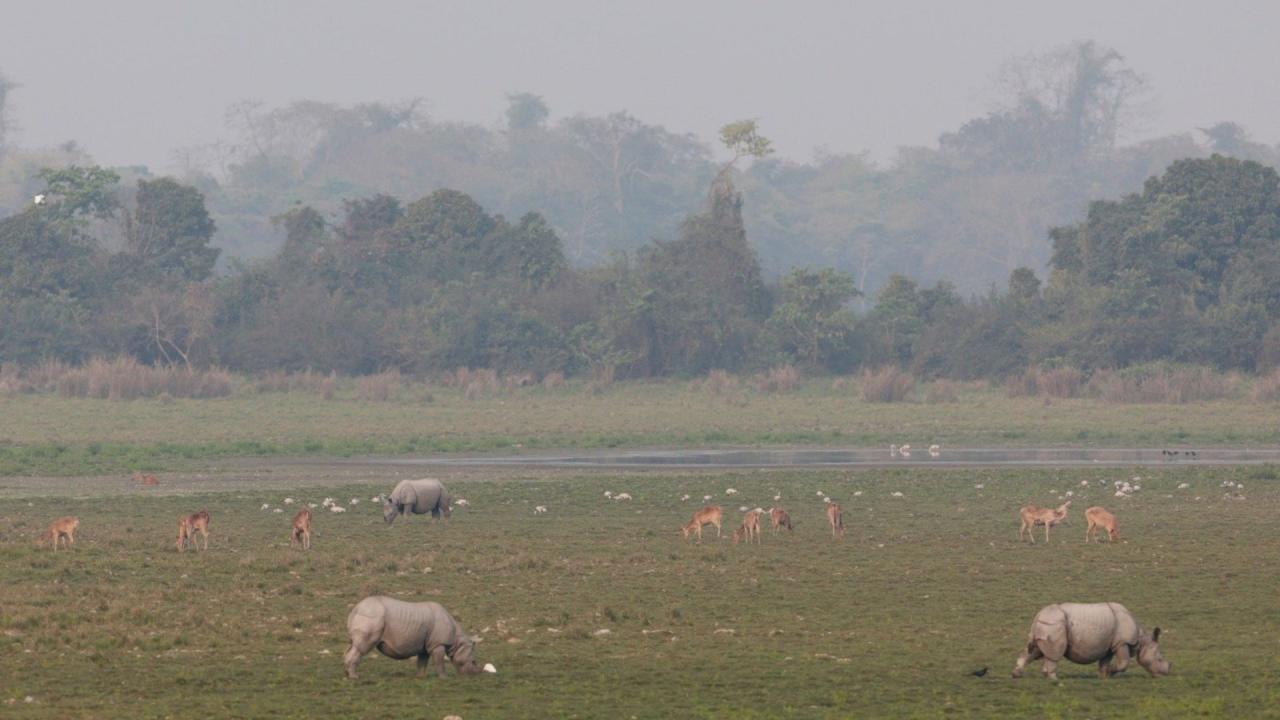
1155,635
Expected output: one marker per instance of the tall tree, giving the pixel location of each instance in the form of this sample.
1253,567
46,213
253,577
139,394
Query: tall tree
169,231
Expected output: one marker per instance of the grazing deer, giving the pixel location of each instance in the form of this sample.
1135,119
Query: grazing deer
63,527
1033,516
711,514
1098,517
301,533
750,527
188,525
147,479
780,518
836,518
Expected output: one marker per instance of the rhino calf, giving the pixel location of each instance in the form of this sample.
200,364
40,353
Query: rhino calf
401,630
1094,632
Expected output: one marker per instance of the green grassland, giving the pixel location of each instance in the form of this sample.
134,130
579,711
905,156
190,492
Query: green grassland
890,621
50,435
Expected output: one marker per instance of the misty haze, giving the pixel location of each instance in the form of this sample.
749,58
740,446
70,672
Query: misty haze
766,360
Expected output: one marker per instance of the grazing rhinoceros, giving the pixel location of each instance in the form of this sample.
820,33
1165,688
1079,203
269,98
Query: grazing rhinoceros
402,630
1093,632
417,497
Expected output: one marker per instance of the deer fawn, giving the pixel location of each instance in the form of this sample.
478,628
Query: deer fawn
63,527
188,525
836,518
301,533
1098,517
780,518
711,514
750,527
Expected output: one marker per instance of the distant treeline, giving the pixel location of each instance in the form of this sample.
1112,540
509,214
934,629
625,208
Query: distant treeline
1183,272
969,209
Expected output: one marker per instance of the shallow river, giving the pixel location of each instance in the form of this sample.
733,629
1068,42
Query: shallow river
855,457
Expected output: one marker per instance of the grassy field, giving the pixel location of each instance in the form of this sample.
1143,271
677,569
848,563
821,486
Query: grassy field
47,434
888,622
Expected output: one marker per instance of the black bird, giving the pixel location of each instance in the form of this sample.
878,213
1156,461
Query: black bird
1191,453
979,673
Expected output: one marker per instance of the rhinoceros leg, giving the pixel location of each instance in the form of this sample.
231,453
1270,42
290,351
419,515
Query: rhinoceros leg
1121,661
353,655
437,655
1052,649
362,641
1029,654
423,662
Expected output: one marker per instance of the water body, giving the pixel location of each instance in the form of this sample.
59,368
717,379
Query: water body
864,457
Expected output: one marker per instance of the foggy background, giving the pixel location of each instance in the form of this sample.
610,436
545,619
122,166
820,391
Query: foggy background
134,81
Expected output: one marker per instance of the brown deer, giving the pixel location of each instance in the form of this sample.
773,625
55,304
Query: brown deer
780,518
63,527
188,525
1033,516
836,518
1098,517
711,514
301,533
147,479
750,528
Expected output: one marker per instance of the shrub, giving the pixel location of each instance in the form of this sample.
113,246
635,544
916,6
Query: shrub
719,382
888,384
1060,382
1267,388
783,378
942,391
1023,384
124,378
553,380
381,387
1160,383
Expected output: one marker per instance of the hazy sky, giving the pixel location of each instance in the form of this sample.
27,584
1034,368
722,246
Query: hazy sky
132,80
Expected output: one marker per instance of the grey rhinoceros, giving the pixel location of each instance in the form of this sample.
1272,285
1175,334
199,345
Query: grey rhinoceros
401,630
418,497
1092,632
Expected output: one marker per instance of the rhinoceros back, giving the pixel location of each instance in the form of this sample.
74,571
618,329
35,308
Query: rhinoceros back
420,496
1091,630
405,626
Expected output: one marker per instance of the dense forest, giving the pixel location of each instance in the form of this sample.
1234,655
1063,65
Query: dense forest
362,238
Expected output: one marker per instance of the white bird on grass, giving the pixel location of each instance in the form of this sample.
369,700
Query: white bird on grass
539,509
337,509
622,496
39,199
266,506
